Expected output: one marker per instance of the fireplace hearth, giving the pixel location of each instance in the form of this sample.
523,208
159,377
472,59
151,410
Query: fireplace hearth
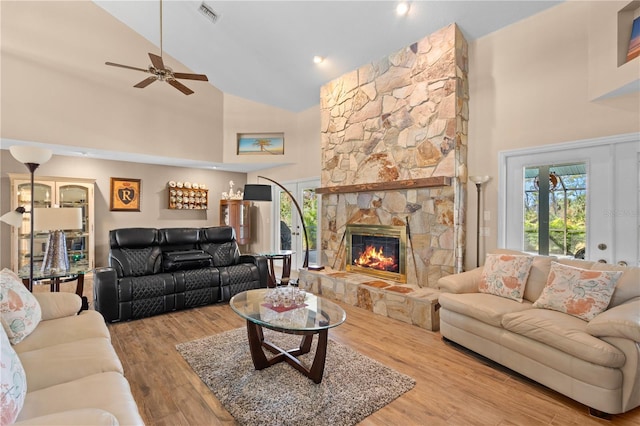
377,250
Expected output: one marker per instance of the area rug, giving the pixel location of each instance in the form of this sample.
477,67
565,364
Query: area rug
353,386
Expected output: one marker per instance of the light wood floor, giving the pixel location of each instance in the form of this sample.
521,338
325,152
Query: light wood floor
453,387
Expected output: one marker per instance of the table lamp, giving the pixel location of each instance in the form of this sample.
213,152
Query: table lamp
56,221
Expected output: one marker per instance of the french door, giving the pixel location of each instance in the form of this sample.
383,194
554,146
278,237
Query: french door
612,196
288,231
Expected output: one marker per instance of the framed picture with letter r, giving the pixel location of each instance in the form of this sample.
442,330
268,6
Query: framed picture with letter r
124,195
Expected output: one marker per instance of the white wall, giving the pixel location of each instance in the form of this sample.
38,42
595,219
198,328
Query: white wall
530,85
154,212
56,88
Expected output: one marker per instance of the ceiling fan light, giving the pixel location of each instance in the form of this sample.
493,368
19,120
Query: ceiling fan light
318,59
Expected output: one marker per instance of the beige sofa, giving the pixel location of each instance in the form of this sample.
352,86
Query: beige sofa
74,376
596,362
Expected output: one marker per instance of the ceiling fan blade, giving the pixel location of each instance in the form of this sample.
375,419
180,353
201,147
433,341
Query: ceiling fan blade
188,76
156,61
126,66
147,81
181,87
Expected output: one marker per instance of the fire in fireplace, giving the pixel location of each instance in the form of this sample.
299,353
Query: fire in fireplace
377,250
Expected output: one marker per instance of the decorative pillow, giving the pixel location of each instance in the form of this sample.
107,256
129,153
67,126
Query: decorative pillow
505,275
19,310
13,382
583,293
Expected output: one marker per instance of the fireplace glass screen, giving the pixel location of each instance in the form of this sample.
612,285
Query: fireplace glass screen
377,250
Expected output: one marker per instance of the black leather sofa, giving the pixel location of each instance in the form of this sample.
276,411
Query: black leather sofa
153,271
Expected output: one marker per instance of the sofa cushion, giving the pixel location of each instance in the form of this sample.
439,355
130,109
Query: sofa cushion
66,362
565,333
19,310
81,417
583,293
484,307
87,324
505,275
106,391
13,381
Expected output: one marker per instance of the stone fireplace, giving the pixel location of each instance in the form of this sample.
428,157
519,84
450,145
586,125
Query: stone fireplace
378,250
394,137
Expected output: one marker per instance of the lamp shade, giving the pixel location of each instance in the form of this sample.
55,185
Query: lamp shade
53,219
13,218
30,154
479,179
257,192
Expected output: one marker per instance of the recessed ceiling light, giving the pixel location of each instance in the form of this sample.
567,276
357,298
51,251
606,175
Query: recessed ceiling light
402,8
318,59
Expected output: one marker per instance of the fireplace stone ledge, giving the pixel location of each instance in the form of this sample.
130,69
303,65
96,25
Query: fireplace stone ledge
405,302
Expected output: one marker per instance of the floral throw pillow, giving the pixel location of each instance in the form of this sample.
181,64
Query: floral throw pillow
505,275
583,293
13,382
19,310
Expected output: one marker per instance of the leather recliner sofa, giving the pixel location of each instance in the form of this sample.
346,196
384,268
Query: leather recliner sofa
153,271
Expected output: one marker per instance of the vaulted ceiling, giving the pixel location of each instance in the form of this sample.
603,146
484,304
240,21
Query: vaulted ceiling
263,50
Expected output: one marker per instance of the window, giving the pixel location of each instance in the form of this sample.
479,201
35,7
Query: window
555,209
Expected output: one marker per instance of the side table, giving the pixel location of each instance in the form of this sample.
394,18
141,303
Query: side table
285,256
73,274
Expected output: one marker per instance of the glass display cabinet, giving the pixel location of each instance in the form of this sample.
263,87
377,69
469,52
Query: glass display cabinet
49,192
235,213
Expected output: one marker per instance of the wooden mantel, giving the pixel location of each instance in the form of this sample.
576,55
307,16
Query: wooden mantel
430,182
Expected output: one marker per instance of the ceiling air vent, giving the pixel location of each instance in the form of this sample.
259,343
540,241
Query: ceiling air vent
207,11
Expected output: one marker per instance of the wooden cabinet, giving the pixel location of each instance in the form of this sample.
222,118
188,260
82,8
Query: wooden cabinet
235,213
49,192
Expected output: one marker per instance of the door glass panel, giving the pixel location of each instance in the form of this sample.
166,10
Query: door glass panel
555,221
286,224
310,213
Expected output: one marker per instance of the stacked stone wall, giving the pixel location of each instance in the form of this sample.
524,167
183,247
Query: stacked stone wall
403,117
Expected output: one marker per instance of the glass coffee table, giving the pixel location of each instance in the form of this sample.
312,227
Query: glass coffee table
275,310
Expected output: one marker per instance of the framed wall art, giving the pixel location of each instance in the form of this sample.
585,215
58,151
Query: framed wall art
124,195
260,143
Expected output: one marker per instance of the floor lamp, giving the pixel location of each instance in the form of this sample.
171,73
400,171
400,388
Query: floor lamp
478,180
32,157
257,192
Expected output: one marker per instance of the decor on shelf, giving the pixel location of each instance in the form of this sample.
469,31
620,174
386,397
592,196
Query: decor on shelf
258,192
231,195
124,195
479,181
260,143
32,157
56,221
188,196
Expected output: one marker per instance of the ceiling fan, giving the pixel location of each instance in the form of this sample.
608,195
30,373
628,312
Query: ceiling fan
159,71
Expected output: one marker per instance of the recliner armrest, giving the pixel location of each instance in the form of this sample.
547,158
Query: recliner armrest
261,263
105,293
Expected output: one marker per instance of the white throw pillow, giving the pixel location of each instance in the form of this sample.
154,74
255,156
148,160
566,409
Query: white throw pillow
583,293
13,382
505,275
19,310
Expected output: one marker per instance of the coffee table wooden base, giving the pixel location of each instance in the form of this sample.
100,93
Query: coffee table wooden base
260,361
